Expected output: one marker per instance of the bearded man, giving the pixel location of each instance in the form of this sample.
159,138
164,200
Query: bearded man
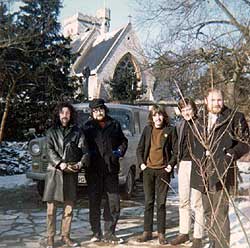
107,144
214,155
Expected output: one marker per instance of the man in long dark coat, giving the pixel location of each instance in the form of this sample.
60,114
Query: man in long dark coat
107,144
67,153
219,142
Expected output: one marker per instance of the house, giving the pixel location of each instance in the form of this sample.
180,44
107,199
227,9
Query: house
104,53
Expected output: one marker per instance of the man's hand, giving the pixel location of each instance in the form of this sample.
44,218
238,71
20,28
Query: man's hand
73,168
229,158
168,168
62,166
143,167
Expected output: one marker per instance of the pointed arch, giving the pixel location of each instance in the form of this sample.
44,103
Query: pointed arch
129,64
126,83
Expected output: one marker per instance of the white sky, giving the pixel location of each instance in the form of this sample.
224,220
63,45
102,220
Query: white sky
120,9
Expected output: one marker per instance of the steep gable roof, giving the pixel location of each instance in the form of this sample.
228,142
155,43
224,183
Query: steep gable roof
77,44
99,50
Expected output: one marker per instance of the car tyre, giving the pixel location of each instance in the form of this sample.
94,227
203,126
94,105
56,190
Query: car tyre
129,186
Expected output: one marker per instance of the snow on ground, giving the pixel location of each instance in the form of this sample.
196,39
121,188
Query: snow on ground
14,158
238,238
11,182
242,208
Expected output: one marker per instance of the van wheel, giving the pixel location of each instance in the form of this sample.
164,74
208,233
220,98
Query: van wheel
129,185
40,187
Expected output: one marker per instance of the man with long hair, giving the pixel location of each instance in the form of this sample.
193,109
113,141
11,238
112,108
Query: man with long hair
67,153
156,157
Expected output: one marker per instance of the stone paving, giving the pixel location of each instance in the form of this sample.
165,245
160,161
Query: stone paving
27,227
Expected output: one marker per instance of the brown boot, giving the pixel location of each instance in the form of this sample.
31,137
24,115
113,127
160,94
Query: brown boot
162,239
50,242
197,243
69,242
145,237
180,239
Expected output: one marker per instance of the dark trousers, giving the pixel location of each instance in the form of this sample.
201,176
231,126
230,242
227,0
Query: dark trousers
103,186
154,186
216,207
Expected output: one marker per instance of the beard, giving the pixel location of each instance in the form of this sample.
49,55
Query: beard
99,117
214,109
65,122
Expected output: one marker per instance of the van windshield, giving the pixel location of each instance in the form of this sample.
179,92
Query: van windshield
121,115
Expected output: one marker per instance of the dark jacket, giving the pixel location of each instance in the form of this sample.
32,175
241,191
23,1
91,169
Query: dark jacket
223,139
180,127
61,186
102,143
168,143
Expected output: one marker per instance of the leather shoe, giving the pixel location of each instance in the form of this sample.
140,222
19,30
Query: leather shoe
162,239
197,243
69,242
180,239
145,237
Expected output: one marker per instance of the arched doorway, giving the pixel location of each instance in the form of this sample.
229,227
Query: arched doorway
126,82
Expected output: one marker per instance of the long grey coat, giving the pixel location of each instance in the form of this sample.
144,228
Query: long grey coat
61,186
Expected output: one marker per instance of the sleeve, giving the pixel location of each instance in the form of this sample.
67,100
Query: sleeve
85,160
240,135
141,148
53,156
174,147
123,141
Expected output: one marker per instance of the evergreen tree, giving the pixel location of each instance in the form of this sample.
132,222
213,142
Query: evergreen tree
8,67
42,72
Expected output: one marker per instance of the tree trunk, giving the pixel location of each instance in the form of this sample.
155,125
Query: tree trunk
6,110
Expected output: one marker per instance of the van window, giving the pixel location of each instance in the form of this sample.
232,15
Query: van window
124,117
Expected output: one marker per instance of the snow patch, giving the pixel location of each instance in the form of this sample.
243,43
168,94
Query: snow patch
10,182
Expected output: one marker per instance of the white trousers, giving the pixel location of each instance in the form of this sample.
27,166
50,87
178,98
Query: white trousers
189,198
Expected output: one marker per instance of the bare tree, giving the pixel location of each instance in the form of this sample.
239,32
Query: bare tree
209,37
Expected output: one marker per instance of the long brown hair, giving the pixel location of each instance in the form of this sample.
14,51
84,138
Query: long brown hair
160,110
58,109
